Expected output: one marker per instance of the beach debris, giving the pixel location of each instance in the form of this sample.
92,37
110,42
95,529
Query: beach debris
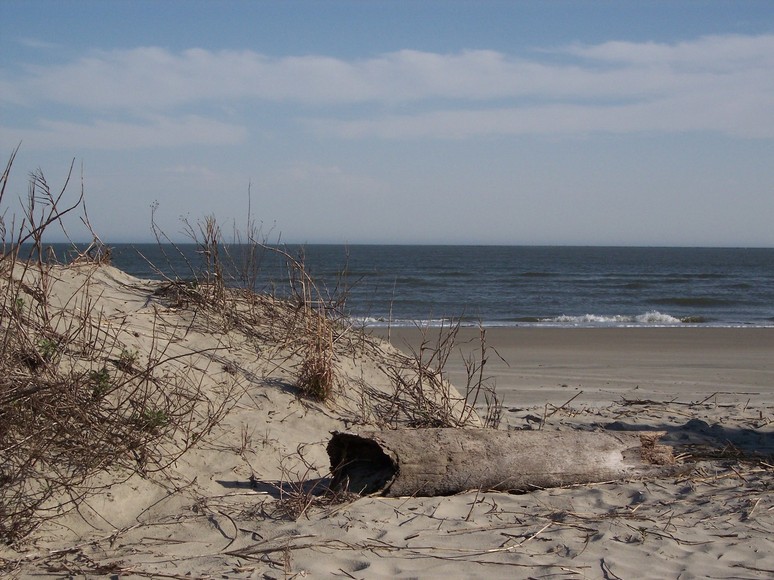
430,462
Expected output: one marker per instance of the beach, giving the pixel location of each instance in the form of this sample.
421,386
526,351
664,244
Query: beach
243,498
550,365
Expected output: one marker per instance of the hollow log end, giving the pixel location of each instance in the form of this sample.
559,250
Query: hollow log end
359,464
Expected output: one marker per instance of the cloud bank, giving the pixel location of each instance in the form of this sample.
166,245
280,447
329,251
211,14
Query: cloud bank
723,84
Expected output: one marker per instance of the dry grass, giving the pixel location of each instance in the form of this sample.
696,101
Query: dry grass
300,490
423,396
75,400
305,323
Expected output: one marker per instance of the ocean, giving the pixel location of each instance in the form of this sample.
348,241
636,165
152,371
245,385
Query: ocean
512,286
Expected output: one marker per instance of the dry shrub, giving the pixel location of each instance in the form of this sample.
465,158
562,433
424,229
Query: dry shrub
315,344
422,394
300,490
317,374
304,323
75,401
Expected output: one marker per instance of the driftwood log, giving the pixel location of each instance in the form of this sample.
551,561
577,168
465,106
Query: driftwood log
429,462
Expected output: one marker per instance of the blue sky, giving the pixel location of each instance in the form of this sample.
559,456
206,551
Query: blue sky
613,123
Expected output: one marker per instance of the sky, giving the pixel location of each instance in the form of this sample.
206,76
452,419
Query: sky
435,122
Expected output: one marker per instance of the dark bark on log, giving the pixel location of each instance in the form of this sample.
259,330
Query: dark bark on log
429,462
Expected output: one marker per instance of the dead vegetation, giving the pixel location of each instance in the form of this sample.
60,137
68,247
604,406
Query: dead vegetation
422,395
78,400
75,399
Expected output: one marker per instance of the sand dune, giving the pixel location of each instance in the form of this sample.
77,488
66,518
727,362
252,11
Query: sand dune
240,502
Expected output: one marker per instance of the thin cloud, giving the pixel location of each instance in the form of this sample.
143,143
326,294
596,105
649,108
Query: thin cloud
154,78
37,43
158,132
714,83
718,53
734,115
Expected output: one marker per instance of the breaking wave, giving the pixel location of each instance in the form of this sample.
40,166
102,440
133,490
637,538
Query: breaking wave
651,318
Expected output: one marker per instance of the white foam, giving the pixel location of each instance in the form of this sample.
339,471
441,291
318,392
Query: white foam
651,318
380,322
656,317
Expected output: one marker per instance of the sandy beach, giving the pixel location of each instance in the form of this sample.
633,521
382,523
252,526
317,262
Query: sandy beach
239,503
245,246
550,365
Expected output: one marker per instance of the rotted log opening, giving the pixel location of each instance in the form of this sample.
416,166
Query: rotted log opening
432,462
359,464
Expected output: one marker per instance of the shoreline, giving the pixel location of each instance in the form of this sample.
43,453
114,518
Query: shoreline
549,365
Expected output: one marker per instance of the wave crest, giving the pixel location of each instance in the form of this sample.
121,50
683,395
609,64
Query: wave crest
650,318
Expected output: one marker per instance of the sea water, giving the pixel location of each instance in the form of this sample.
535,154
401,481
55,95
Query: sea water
505,286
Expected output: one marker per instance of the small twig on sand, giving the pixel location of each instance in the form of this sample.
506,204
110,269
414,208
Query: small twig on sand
578,394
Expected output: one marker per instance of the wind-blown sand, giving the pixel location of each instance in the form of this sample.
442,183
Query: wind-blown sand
215,512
